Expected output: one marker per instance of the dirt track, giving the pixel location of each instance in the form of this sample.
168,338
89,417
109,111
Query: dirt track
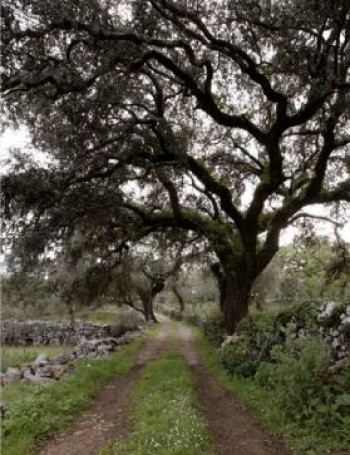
234,431
106,418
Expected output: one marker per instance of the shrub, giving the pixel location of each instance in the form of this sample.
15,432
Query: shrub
237,359
213,328
302,380
265,374
261,334
302,315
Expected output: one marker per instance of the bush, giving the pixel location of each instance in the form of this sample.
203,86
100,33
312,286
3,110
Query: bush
261,334
213,328
265,374
303,382
295,372
237,359
302,315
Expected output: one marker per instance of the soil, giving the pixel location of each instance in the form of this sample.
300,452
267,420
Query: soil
106,418
234,431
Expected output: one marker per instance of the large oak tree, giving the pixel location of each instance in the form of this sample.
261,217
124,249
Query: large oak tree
224,119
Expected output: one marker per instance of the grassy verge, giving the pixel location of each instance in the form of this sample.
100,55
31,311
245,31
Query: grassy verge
165,415
301,440
16,355
37,411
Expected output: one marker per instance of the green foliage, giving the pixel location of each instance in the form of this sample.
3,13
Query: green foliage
36,412
313,270
213,327
261,334
27,295
237,359
324,424
302,315
166,417
301,377
256,336
289,378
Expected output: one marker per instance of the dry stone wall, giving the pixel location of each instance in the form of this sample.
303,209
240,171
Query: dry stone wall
55,333
44,369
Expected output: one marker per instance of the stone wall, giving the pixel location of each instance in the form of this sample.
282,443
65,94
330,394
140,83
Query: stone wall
55,333
329,321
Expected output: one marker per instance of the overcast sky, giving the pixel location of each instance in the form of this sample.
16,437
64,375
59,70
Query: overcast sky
21,139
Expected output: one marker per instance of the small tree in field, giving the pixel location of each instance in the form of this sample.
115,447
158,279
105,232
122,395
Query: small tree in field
221,121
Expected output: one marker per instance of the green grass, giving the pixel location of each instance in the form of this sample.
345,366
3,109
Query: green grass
301,440
165,415
17,355
37,411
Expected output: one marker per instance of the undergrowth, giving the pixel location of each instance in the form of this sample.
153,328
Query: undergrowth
295,397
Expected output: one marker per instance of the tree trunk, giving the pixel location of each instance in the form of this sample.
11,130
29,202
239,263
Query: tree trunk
222,283
179,298
148,310
151,312
71,313
235,303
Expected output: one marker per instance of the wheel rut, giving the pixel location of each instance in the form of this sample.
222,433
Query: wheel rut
234,431
107,417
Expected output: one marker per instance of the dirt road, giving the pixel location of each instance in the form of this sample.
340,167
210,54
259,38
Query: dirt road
106,418
234,431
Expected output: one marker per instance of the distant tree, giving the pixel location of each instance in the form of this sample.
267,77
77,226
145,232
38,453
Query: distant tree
268,284
314,271
81,277
175,287
337,269
27,293
167,115
141,276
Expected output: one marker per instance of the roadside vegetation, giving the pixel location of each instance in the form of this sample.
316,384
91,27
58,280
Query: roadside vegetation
287,383
16,355
165,415
36,412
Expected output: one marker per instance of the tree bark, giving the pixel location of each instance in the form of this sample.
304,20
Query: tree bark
179,298
70,307
235,299
151,312
148,310
221,282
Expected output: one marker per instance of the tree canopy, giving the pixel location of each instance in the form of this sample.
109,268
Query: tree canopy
220,119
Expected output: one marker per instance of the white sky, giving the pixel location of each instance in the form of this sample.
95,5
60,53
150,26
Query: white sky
20,139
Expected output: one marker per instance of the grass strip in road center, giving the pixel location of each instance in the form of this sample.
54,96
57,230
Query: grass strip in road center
166,418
